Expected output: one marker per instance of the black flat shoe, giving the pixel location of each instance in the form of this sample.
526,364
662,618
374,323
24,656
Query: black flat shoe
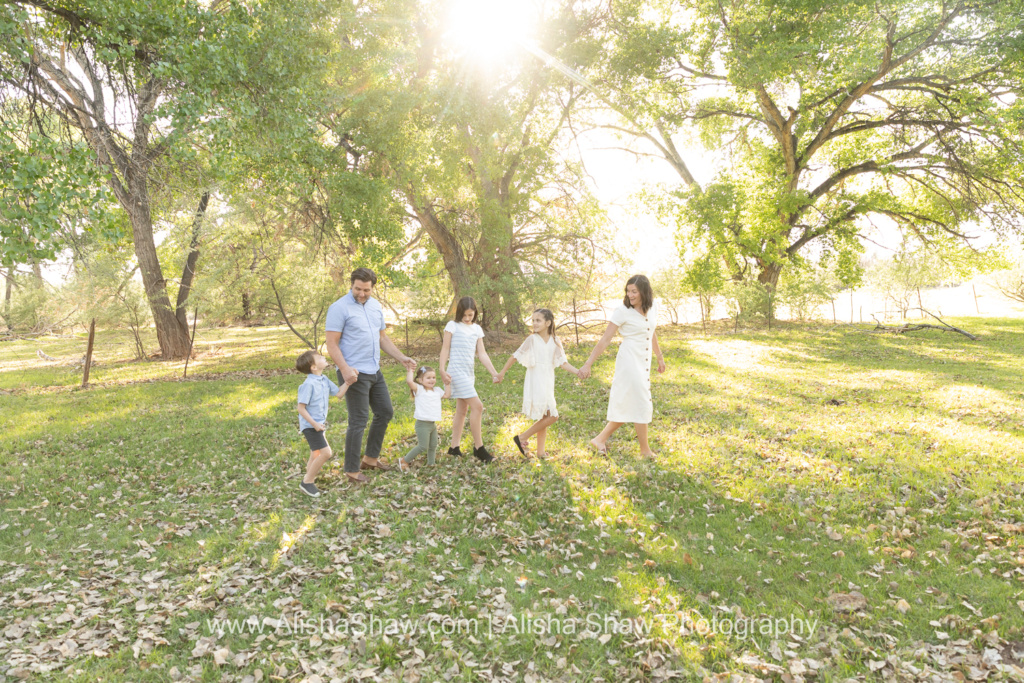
519,444
454,451
482,455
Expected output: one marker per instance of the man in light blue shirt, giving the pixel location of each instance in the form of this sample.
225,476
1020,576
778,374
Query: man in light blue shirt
355,337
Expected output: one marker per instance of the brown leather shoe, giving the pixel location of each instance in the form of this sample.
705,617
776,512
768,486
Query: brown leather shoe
383,467
358,479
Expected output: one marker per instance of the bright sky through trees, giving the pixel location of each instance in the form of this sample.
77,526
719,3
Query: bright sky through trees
488,31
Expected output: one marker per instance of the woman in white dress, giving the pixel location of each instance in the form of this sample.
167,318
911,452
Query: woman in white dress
630,399
463,343
540,354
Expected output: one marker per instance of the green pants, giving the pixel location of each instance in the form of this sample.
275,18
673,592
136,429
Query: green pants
426,440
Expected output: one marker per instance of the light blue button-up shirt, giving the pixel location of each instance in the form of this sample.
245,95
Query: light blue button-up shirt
360,326
315,394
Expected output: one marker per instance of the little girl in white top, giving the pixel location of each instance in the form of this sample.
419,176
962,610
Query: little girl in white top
541,353
427,397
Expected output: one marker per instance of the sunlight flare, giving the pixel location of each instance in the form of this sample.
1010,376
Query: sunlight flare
489,31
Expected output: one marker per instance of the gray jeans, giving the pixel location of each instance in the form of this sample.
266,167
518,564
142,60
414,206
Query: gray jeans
426,440
370,392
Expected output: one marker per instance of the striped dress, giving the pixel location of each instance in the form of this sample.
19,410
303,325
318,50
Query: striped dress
462,357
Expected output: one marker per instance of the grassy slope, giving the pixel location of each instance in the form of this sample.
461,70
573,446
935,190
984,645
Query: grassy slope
794,464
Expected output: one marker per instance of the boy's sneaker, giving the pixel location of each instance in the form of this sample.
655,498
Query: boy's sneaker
482,455
310,490
454,451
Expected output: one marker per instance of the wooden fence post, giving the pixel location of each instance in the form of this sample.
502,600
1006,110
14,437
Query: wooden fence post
88,353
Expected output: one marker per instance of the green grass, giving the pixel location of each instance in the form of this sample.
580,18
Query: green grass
793,464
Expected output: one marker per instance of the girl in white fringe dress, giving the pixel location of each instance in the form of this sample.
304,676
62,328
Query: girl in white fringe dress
541,353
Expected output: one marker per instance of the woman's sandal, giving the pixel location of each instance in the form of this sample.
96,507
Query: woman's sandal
519,444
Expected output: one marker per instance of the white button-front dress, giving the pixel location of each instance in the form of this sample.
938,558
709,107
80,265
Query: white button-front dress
630,399
540,359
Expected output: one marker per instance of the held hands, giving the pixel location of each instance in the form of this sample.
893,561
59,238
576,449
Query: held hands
409,363
350,375
445,377
496,378
584,371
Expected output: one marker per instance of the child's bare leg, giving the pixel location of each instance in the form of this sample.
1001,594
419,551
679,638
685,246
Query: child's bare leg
459,420
476,418
641,436
599,442
538,427
316,461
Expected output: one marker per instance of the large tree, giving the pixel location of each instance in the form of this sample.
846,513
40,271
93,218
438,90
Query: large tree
823,117
472,150
144,84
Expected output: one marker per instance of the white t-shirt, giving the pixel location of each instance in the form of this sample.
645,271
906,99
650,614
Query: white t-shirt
428,404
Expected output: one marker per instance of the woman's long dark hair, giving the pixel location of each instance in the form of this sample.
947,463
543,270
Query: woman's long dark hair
466,303
643,285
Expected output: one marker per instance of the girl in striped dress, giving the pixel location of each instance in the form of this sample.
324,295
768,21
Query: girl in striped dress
463,343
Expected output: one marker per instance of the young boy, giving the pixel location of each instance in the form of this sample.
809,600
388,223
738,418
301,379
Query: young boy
314,395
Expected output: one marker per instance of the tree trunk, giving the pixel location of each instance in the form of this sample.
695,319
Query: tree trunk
8,294
171,335
769,277
447,245
188,273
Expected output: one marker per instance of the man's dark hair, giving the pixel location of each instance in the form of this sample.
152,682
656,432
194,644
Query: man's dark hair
364,275
304,363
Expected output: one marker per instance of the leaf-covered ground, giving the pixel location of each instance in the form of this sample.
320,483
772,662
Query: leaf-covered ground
827,505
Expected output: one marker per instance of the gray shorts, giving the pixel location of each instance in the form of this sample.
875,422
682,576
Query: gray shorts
315,439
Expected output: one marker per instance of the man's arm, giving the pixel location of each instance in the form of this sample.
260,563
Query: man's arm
349,373
388,347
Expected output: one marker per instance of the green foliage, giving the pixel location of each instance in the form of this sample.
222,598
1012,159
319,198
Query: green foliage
47,190
670,286
749,301
704,277
804,290
32,307
901,278
821,124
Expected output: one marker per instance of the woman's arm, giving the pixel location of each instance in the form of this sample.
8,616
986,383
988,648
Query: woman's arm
602,344
446,348
657,353
481,352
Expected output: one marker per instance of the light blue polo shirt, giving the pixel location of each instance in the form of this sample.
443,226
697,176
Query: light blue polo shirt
360,326
316,393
